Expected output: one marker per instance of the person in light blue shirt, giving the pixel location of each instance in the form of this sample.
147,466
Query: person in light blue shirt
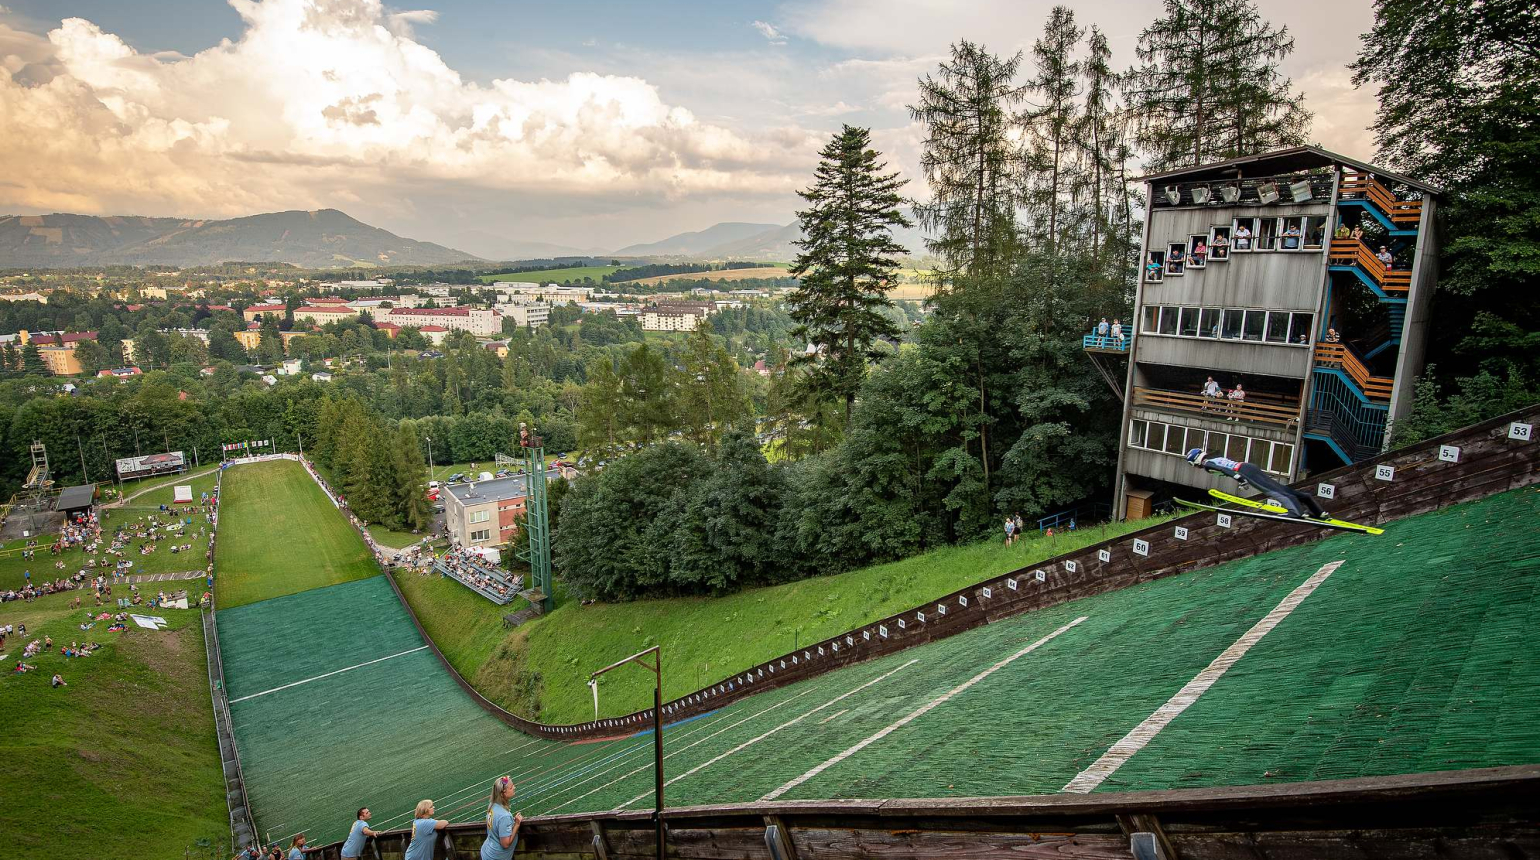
353,847
297,848
423,828
502,825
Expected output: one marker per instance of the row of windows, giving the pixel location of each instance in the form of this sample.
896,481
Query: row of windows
479,516
1243,236
1230,324
1275,457
484,534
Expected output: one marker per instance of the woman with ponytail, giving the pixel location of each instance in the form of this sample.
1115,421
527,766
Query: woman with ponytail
423,828
502,825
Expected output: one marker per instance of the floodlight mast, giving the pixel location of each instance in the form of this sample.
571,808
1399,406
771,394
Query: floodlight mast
657,729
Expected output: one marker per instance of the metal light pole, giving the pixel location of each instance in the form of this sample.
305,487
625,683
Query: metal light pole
657,729
429,440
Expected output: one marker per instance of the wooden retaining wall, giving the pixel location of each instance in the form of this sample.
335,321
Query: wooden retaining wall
1488,814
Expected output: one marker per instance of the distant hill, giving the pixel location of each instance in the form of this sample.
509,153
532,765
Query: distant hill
491,246
734,240
313,239
699,243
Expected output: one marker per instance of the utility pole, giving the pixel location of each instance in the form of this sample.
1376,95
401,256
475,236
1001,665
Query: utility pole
85,476
657,730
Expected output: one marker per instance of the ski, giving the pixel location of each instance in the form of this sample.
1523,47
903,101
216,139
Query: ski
1340,525
1276,509
1270,507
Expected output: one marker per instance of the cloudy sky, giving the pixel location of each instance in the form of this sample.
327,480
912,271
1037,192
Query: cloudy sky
589,123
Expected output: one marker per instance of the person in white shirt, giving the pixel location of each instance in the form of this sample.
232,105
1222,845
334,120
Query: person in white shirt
1211,391
1242,238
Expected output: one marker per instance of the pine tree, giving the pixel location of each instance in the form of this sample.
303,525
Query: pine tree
1100,188
1053,128
847,264
32,363
1459,89
712,397
971,161
1208,86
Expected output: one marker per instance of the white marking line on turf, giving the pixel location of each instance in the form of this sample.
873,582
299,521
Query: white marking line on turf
671,754
791,722
1120,752
329,674
919,712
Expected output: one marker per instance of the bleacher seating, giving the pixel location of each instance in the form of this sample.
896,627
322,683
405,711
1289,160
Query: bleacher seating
472,571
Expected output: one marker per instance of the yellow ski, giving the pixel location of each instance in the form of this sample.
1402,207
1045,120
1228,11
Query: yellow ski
1282,512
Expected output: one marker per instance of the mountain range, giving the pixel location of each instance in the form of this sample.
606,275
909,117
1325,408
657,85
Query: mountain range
328,238
320,238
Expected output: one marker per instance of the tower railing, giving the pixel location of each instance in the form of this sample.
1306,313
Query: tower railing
1354,253
1406,214
1339,357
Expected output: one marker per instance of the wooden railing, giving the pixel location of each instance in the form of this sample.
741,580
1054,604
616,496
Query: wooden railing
1337,355
1363,186
1352,252
1280,414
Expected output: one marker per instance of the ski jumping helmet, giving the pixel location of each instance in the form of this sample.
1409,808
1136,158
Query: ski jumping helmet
1195,456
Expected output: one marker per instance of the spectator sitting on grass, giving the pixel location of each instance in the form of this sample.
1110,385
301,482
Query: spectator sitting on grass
424,825
57,682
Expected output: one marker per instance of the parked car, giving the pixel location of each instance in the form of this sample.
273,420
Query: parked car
457,478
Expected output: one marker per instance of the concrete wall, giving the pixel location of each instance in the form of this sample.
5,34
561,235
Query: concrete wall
1225,356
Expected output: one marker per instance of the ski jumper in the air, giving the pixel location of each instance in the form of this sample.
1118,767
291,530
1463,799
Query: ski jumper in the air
1297,503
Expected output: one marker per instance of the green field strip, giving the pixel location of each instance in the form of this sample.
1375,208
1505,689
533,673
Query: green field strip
288,639
279,535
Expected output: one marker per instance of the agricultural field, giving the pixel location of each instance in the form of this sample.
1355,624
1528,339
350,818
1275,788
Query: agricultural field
726,275
575,274
705,638
279,534
122,759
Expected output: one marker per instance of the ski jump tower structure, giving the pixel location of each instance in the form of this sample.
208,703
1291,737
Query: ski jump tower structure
1300,276
537,525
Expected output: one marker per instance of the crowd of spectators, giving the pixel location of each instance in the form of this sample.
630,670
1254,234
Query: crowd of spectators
475,572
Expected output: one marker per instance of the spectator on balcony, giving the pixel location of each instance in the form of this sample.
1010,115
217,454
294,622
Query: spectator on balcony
1358,233
1291,237
1341,232
1211,391
1332,336
1102,329
1242,238
1385,256
353,848
424,825
1237,400
1199,254
502,825
1117,333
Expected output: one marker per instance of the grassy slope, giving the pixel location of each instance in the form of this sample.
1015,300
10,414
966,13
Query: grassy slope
726,275
703,639
553,276
263,501
124,756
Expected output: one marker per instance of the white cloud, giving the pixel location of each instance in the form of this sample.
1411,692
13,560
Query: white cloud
772,35
321,99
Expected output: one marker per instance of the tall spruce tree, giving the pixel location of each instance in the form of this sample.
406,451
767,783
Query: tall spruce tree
1101,191
1459,89
846,265
972,160
1054,129
1208,85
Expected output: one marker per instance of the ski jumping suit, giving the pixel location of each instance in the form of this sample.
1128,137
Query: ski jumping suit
1299,504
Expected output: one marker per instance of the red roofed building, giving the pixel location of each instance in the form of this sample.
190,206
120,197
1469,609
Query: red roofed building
121,372
256,312
477,321
216,308
327,300
390,329
434,333
324,313
58,349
